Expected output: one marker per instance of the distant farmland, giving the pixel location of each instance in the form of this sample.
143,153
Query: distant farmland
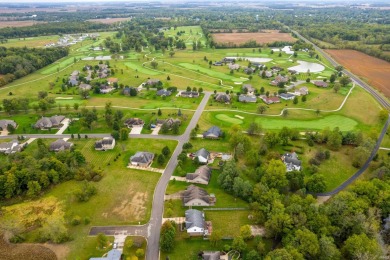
4,24
374,70
109,20
263,37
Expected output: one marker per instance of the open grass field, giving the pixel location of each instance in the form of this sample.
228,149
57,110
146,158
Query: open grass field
268,36
232,219
4,24
191,34
33,42
109,20
210,72
141,69
373,70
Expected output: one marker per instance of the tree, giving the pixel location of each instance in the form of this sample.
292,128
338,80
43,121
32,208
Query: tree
284,135
279,254
171,53
261,109
271,139
316,183
296,180
245,232
295,100
254,129
308,80
344,81
129,243
361,247
167,236
215,237
101,240
166,151
160,159
285,113
176,128
140,252
76,106
328,249
304,98
332,78
33,188
383,115
115,134
339,68
239,244
307,243
335,139
193,133
336,87
159,113
11,129
275,175
124,133
154,64
84,93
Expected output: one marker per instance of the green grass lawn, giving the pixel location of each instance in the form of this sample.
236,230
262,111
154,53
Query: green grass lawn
31,42
141,69
210,72
138,243
232,219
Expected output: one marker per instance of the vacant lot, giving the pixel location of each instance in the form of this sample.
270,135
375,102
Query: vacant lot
35,42
5,24
109,20
374,70
264,37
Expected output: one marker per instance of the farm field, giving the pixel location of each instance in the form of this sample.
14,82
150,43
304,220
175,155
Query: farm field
4,24
268,36
109,20
32,42
373,70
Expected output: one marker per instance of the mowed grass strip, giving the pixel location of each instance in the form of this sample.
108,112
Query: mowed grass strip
141,69
210,72
60,65
228,119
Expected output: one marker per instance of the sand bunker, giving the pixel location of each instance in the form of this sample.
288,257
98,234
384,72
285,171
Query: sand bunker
304,66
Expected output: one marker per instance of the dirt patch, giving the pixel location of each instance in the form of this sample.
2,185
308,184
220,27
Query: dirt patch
4,24
133,206
375,71
110,20
262,37
25,251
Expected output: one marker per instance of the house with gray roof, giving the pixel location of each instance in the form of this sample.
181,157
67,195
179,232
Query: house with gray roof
195,196
247,99
84,86
60,145
163,92
214,132
75,73
169,122
248,89
191,94
10,147
203,156
141,159
73,81
321,84
213,255
5,122
195,222
287,96
249,71
292,162
153,82
222,97
113,254
202,175
131,122
107,143
49,122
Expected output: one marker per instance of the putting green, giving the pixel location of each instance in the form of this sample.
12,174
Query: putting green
344,123
210,72
141,69
228,119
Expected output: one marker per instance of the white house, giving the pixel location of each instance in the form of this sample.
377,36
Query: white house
195,223
107,143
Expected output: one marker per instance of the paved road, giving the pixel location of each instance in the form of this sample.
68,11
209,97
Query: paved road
363,168
151,230
382,100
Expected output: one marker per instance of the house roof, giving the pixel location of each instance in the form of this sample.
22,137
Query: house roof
194,218
189,93
104,141
286,95
5,122
248,87
13,145
169,121
246,98
211,255
134,121
222,97
213,131
47,122
112,80
152,81
292,158
60,144
142,157
85,86
194,192
321,84
163,92
202,173
202,153
113,254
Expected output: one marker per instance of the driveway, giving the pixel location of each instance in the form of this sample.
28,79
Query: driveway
65,125
136,130
156,130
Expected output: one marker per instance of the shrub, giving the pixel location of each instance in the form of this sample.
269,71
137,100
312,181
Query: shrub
76,221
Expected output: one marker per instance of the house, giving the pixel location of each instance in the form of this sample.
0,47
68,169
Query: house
113,254
127,90
321,84
292,71
247,99
279,79
214,255
191,94
229,60
10,147
60,145
104,89
75,73
218,63
214,132
303,91
49,122
73,81
268,74
4,123
112,80
287,96
203,156
169,122
222,98
257,64
276,69
107,143
163,92
291,161
142,159
270,100
84,86
202,175
130,122
248,89
195,222
249,70
195,196
233,66
153,82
